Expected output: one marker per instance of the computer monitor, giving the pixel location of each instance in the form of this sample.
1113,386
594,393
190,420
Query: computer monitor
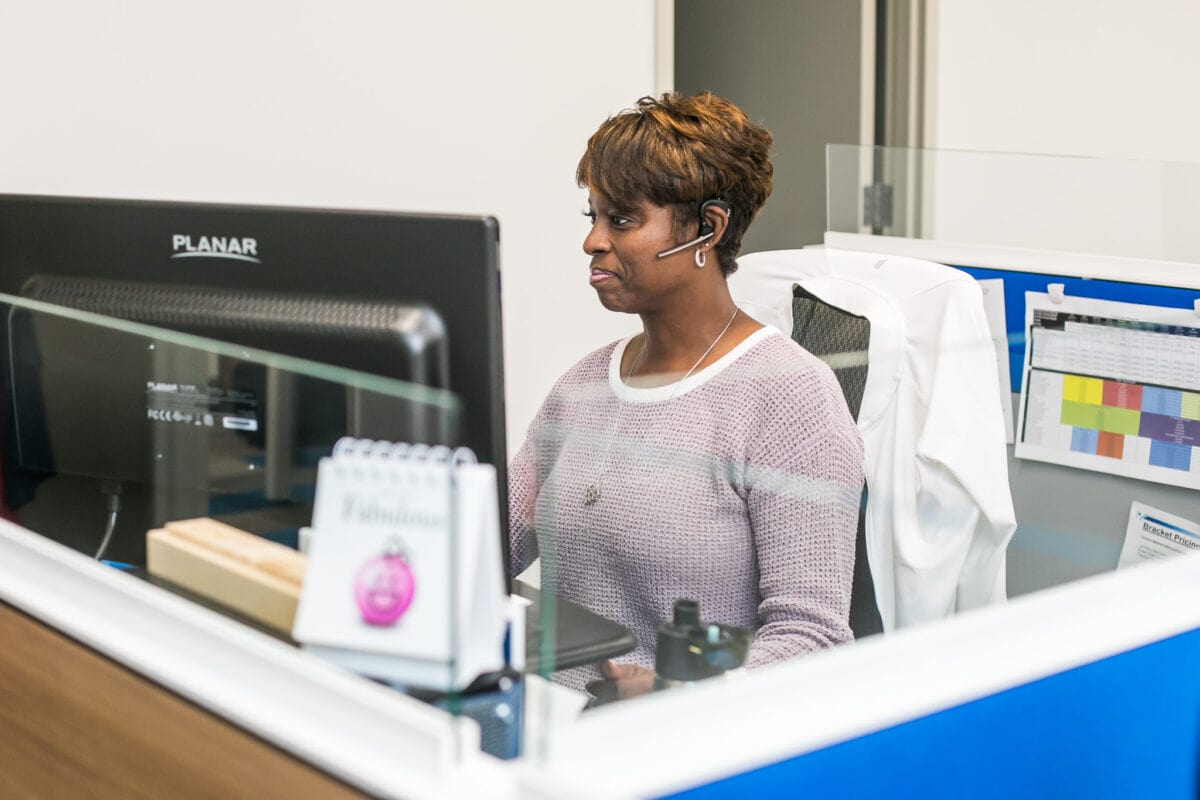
404,342
170,427
448,264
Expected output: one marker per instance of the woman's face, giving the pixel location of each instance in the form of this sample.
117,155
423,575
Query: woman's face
624,244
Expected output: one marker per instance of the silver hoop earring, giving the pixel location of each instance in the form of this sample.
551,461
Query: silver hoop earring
699,257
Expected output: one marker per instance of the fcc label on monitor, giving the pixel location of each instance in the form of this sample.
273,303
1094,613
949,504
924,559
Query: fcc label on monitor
201,406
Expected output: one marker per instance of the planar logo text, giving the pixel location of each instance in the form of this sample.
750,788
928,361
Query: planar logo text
238,248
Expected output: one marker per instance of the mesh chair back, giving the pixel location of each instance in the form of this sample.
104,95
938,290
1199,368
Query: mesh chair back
840,339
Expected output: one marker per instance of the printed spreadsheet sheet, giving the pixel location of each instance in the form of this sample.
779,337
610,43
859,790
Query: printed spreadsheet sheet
1112,387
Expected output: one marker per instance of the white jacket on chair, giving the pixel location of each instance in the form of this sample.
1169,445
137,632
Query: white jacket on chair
940,514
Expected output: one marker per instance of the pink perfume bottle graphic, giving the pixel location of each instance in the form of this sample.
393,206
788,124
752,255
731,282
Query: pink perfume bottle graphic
384,586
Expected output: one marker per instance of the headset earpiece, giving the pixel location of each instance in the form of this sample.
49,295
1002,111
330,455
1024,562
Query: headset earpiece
705,228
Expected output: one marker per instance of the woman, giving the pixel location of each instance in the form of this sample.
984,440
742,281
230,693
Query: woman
707,457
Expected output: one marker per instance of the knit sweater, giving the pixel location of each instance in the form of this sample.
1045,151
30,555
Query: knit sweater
738,487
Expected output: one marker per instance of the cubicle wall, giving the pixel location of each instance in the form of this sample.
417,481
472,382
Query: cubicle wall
1104,230
1123,726
1085,690
1072,522
113,687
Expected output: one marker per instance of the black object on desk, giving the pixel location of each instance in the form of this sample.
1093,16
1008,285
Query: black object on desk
580,636
689,649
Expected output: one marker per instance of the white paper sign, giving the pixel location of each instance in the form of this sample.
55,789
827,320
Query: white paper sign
361,510
441,519
1153,534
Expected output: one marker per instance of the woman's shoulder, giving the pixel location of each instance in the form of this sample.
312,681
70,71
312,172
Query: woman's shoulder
774,354
794,396
785,379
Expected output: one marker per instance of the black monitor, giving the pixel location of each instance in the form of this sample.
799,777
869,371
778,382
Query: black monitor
168,430
196,267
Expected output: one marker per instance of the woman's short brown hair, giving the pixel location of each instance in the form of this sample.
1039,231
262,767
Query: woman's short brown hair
678,151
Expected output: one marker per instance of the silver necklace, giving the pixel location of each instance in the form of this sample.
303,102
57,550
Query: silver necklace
592,493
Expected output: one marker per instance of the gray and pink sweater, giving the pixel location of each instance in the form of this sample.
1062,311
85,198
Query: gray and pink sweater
738,488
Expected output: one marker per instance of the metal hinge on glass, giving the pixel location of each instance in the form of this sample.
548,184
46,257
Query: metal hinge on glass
877,206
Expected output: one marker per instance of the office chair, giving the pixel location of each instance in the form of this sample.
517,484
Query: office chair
941,515
840,339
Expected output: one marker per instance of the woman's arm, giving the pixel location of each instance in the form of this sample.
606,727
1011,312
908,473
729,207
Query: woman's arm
804,480
522,496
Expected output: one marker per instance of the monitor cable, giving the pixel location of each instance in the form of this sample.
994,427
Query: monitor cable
113,490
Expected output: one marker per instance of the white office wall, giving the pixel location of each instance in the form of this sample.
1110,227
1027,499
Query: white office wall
454,106
1102,78
1106,78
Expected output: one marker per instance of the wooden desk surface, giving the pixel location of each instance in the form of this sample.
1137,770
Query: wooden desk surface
74,724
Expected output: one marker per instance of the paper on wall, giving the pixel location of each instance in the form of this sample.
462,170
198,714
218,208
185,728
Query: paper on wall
1153,534
1111,387
993,310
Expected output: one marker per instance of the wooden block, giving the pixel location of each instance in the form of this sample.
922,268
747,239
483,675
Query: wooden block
247,573
272,557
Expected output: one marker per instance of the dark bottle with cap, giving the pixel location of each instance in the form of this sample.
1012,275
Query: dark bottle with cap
690,650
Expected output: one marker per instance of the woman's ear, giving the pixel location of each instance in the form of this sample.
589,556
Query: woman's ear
715,215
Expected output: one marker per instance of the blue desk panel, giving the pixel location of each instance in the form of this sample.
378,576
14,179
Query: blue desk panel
1123,727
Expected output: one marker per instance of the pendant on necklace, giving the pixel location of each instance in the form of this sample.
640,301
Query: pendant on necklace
591,494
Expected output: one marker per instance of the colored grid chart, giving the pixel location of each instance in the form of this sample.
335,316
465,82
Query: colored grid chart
1114,395
1106,416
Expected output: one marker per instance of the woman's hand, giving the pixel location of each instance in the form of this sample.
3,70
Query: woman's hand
629,680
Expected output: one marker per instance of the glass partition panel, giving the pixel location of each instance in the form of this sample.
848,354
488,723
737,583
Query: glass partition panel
1111,207
112,429
178,426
